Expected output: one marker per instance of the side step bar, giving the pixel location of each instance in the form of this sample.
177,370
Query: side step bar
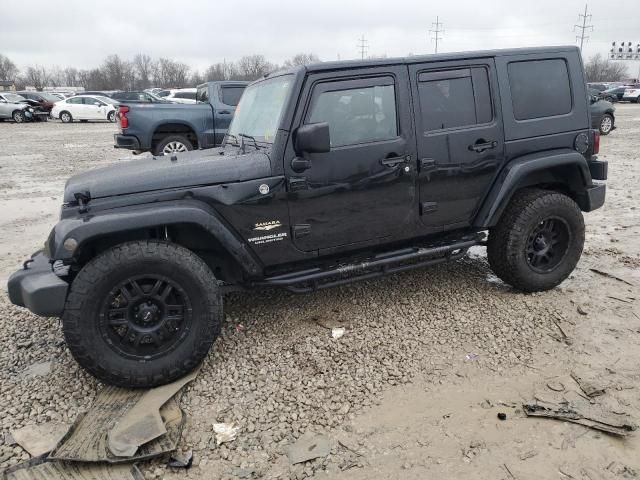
382,264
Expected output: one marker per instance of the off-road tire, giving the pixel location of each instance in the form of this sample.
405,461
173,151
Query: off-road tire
508,240
18,116
160,146
66,117
98,278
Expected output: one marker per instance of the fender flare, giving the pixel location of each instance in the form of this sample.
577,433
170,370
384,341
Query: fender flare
121,220
515,173
174,121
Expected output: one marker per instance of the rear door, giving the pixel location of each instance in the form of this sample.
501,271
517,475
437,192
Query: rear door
460,138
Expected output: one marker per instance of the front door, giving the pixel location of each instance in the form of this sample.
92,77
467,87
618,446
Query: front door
460,139
363,190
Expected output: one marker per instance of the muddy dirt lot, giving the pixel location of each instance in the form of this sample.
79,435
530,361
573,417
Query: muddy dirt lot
413,388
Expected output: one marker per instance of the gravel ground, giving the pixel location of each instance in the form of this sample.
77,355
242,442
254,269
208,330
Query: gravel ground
414,343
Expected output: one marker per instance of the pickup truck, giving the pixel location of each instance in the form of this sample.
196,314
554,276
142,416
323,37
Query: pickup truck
165,129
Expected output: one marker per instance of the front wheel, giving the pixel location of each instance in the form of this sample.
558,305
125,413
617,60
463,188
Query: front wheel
18,116
111,117
142,314
538,240
606,124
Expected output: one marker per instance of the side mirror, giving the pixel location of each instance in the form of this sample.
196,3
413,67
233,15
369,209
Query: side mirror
594,98
2,100
97,104
313,138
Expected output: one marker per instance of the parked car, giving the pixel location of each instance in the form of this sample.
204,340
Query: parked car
614,94
45,100
331,173
85,108
170,128
632,94
182,95
602,115
137,97
600,87
13,107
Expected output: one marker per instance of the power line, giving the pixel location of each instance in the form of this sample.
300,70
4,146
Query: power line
437,30
584,27
363,45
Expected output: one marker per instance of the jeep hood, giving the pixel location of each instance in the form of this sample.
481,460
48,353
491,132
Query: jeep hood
197,168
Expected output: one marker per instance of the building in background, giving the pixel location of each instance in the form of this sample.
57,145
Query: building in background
7,86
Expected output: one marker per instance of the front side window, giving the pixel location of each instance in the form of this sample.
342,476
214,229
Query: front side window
539,88
260,109
357,115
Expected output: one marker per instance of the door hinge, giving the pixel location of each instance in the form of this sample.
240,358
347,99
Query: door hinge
301,230
428,207
297,183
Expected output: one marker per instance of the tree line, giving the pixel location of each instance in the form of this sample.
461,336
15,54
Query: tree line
142,71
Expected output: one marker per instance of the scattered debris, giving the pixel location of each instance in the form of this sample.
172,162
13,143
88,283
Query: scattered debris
308,447
40,369
619,299
337,332
225,432
502,416
50,470
581,310
88,440
588,385
580,411
471,356
529,454
244,472
486,404
143,422
556,386
40,439
609,275
181,459
508,471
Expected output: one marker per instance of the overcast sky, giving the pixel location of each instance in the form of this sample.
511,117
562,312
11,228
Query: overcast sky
81,33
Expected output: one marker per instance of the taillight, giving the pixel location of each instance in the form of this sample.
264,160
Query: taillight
596,142
122,113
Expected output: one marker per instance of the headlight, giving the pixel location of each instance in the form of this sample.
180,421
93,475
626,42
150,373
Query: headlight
30,109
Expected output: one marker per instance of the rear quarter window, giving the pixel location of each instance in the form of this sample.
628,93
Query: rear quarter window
539,88
231,95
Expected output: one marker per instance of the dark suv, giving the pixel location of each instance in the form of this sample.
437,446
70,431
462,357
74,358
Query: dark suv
329,173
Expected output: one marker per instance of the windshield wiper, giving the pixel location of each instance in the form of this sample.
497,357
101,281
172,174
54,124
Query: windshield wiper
249,137
231,136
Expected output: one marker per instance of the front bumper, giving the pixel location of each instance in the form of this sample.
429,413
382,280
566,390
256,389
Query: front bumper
37,288
126,141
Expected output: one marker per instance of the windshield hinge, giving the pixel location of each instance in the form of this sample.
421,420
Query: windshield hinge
83,199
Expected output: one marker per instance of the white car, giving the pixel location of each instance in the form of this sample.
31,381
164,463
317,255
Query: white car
182,95
85,107
632,94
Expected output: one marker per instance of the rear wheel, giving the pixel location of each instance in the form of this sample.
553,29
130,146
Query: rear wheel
66,117
18,116
142,314
606,124
173,144
537,241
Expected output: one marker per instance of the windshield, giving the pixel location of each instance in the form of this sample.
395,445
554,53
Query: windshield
260,108
12,97
106,99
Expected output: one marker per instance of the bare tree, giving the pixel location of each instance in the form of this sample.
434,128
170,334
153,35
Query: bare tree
36,76
252,67
600,69
8,69
71,77
118,74
143,65
301,59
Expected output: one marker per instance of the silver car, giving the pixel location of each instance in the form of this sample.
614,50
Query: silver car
12,106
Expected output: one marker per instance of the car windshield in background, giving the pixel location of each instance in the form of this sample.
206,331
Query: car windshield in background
12,97
260,108
106,99
49,97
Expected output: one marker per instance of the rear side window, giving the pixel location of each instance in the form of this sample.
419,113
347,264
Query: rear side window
539,88
203,94
189,95
231,95
75,101
454,98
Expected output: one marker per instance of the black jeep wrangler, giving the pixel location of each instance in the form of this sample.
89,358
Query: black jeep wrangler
329,173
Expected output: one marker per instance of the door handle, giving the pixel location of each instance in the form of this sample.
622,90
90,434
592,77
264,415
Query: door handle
393,161
224,112
480,146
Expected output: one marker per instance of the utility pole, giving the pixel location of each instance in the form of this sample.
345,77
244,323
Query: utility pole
436,30
363,45
584,27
